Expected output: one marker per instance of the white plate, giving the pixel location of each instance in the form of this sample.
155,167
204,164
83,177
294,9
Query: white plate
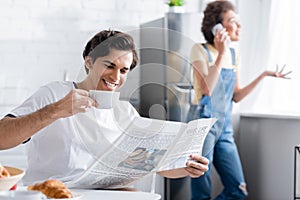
20,195
76,196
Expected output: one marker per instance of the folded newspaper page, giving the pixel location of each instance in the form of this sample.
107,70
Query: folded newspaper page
146,146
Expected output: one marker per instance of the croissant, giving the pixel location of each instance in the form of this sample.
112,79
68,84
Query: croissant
52,189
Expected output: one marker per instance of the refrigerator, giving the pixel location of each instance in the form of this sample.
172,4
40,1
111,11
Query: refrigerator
165,78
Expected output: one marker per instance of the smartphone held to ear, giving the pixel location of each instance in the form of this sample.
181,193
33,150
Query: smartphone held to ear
219,27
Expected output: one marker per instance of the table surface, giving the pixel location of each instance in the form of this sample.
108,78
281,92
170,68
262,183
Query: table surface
115,195
92,194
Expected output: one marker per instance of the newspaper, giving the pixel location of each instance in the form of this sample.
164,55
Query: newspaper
146,146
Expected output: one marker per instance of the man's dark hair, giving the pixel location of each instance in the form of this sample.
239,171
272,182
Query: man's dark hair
213,15
103,42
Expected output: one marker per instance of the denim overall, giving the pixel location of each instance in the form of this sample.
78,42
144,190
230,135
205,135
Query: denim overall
219,146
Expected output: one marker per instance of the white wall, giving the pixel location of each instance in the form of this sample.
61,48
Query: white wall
43,40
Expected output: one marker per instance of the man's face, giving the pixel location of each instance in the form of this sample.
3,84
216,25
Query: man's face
109,72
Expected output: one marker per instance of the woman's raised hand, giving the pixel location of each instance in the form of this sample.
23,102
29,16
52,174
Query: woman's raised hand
279,73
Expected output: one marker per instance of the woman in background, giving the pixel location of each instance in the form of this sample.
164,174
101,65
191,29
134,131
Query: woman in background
216,84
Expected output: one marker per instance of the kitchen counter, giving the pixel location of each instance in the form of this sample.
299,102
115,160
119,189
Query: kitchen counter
272,115
266,144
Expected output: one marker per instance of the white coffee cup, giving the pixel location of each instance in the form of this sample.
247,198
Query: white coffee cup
105,99
21,195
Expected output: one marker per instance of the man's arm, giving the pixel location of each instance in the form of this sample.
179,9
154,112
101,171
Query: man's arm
14,131
195,168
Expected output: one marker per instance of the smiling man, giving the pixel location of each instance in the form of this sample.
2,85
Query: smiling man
45,121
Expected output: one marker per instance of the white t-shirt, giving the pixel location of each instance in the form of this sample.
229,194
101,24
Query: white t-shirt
61,150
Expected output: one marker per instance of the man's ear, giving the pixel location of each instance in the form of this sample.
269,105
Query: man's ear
88,62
